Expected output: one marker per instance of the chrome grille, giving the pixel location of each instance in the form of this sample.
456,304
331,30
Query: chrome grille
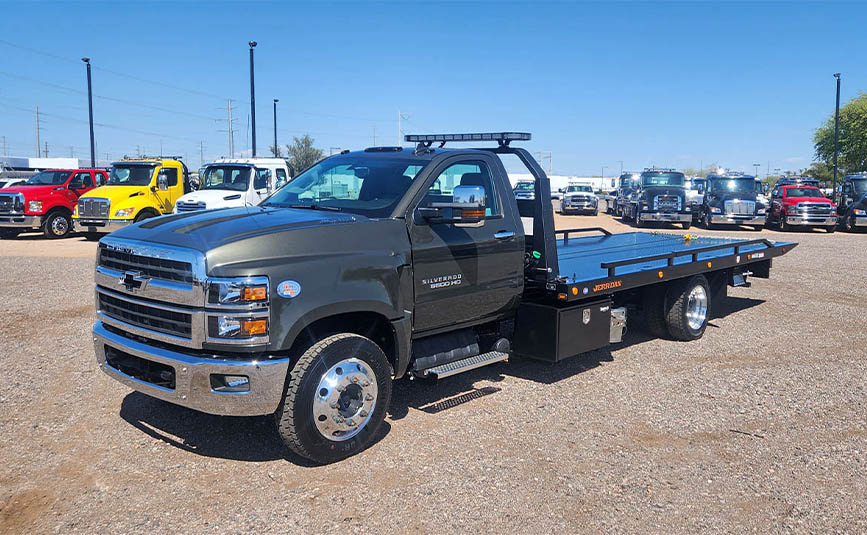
740,207
158,268
190,206
153,318
12,203
667,202
815,208
93,207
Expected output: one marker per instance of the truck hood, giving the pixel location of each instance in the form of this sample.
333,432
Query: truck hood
216,198
212,229
31,192
117,193
796,200
734,196
653,191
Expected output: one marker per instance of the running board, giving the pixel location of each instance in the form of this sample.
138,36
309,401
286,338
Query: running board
465,365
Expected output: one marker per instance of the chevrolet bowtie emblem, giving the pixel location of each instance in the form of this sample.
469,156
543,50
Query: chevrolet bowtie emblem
133,280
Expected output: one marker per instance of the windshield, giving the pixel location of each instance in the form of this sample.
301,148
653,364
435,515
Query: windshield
662,179
804,192
231,177
525,186
357,183
629,182
584,189
733,185
48,178
860,187
130,175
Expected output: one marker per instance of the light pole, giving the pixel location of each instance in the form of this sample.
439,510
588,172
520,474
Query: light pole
757,165
604,167
276,100
836,132
90,113
252,97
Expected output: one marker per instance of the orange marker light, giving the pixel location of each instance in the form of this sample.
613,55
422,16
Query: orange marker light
251,327
574,290
659,274
254,293
710,264
561,297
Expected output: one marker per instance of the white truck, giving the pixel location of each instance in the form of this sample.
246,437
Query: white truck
229,183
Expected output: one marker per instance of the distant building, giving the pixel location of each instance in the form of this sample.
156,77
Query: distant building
561,181
39,164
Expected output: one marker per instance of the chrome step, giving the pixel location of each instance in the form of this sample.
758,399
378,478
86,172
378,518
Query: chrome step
471,363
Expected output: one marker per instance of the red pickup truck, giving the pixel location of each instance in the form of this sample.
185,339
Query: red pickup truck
801,205
46,201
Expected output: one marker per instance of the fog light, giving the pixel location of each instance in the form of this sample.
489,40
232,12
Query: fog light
253,327
230,383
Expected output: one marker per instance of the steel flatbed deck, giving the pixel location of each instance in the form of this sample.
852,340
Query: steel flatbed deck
607,263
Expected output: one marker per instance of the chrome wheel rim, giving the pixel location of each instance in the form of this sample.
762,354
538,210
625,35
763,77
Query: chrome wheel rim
696,308
344,399
59,226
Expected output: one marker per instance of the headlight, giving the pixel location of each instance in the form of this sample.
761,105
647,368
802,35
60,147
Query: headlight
34,206
235,327
860,212
760,211
715,210
75,211
124,212
242,291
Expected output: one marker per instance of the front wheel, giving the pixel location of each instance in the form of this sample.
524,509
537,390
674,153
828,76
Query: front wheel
784,226
686,225
830,229
336,398
57,225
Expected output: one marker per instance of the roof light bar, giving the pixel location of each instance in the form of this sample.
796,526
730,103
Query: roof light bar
501,137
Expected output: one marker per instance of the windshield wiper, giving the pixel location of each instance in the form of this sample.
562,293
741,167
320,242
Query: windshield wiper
315,207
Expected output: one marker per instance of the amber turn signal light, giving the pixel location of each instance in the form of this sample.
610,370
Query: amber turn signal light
253,327
254,293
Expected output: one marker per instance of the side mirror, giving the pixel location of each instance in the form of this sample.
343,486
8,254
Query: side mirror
75,185
466,209
162,182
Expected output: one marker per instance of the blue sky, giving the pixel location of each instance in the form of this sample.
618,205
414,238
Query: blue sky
668,84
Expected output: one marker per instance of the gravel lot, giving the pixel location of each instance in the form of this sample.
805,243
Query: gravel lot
760,426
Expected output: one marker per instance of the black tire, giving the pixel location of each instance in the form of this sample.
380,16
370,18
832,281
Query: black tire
677,306
705,221
144,214
57,225
831,229
9,233
638,222
654,311
686,225
847,223
294,417
785,227
91,236
758,228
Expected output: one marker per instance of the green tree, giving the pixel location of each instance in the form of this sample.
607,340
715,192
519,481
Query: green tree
302,153
276,151
853,136
821,171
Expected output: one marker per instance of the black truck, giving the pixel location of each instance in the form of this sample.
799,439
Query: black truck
379,264
852,208
660,196
731,199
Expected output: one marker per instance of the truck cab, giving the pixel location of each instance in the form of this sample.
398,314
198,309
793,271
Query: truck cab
852,208
136,189
228,183
377,264
659,197
626,185
525,190
801,205
579,198
730,199
46,201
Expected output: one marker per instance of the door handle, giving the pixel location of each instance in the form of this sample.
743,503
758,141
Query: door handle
504,235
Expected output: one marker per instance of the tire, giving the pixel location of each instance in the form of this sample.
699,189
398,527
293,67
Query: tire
654,311
705,221
686,225
638,222
144,214
758,228
687,308
298,423
831,229
57,225
9,233
785,227
849,224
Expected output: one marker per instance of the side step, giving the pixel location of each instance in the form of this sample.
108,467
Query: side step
465,365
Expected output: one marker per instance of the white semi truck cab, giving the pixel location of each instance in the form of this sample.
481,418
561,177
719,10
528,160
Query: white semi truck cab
229,183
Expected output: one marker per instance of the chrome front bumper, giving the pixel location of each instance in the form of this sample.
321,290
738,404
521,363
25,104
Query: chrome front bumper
665,216
100,225
732,219
20,221
192,376
810,221
861,221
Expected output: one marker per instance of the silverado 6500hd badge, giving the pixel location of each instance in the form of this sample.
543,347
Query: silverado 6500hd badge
442,281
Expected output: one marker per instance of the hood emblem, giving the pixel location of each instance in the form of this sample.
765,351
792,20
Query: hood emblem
133,281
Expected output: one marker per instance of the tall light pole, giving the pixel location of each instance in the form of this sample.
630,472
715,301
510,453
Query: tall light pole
604,167
836,132
276,100
252,97
90,113
757,165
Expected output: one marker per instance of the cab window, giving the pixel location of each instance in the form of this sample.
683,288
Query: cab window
171,174
261,179
281,177
463,174
81,181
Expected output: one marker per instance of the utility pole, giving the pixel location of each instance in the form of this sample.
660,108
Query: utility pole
45,154
201,153
38,154
836,133
72,152
231,131
275,126
374,136
252,97
90,114
4,148
621,166
161,148
399,137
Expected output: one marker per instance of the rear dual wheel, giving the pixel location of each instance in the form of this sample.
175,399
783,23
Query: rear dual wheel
336,398
678,310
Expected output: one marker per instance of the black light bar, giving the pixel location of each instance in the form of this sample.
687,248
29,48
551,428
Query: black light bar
501,137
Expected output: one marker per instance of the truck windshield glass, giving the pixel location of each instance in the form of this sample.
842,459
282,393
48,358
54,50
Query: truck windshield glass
367,185
804,192
525,186
584,189
860,187
662,179
48,178
231,177
733,185
130,175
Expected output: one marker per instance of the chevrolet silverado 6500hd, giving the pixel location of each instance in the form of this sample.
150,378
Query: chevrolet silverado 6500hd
378,264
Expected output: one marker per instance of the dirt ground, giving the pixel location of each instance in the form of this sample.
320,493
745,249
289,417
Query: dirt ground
760,426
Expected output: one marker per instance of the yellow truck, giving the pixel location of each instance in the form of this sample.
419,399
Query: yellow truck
137,188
